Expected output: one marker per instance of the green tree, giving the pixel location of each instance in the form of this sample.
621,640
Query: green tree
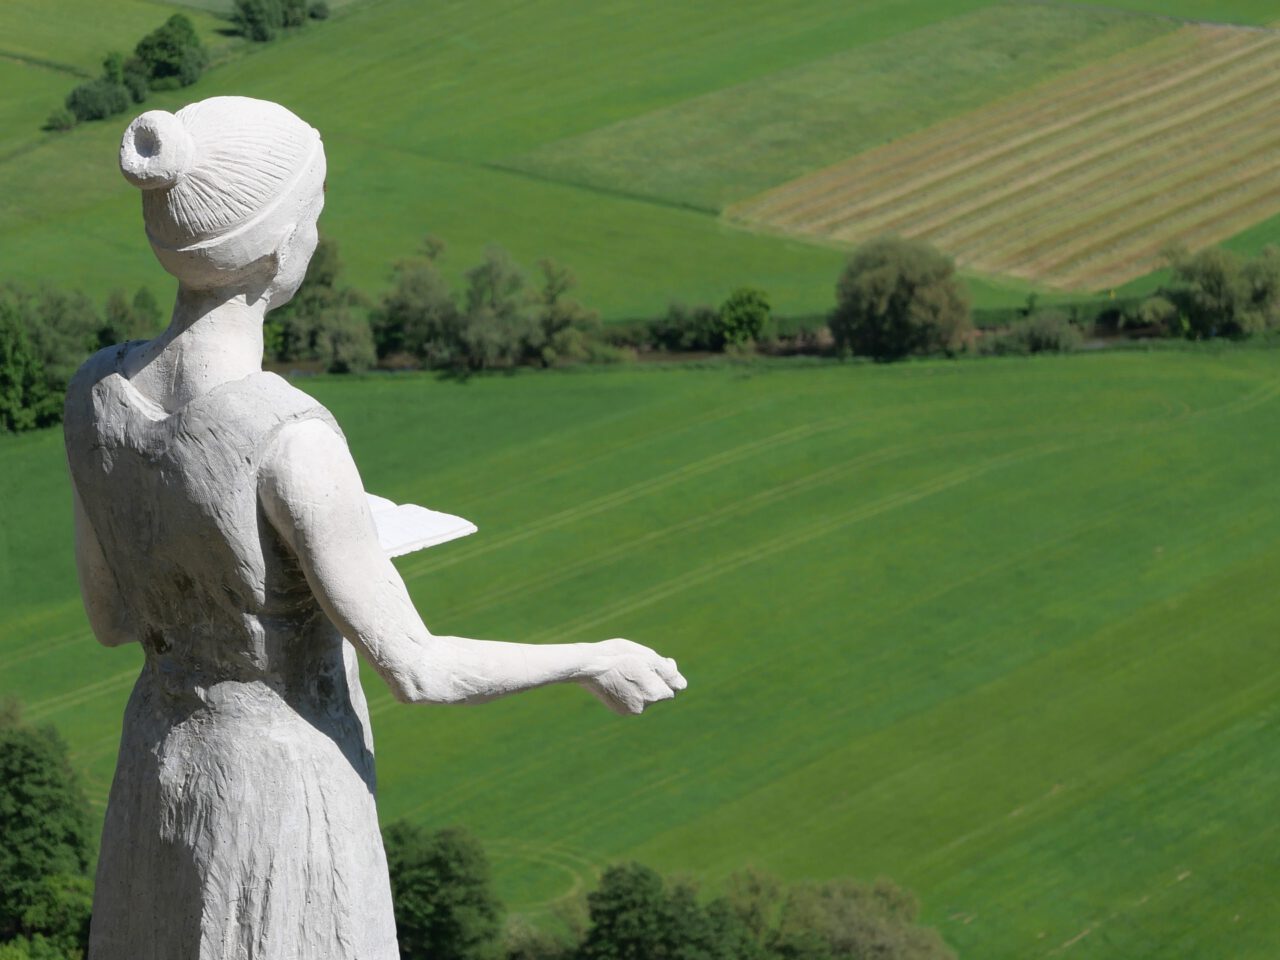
26,400
419,316
259,20
635,915
44,839
445,907
896,298
126,319
498,322
43,339
1217,293
848,920
744,316
98,99
171,55
564,330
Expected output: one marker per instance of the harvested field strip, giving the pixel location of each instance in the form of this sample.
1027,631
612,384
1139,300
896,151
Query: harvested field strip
1079,183
1092,174
1118,141
962,140
1062,237
1193,89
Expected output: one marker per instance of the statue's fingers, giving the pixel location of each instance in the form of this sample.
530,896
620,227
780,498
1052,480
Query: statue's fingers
656,688
668,671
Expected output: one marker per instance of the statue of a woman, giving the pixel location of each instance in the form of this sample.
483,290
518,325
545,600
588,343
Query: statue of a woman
221,523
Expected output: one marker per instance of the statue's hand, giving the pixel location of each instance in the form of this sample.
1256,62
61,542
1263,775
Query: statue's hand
626,677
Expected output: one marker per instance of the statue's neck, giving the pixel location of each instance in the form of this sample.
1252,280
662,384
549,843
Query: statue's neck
215,337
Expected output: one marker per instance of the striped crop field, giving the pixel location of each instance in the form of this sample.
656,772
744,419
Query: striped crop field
1080,182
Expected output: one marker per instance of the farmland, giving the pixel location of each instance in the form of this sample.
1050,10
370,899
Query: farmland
1000,630
1080,182
613,151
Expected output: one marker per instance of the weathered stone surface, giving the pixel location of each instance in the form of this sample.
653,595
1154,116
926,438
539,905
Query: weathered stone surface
221,523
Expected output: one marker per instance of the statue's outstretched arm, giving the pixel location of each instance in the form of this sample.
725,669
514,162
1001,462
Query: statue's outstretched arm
313,496
98,589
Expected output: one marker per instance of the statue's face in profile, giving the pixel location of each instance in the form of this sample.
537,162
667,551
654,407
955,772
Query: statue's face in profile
294,255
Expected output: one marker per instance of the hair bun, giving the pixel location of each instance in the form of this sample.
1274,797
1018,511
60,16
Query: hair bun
156,151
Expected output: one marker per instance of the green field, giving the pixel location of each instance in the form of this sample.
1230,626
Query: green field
609,140
1000,630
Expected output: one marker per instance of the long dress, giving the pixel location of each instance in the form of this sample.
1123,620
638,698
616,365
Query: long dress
241,821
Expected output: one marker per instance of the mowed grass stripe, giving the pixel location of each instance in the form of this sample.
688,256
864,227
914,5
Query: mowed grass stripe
1167,131
1094,172
1060,231
1089,200
1000,130
1186,98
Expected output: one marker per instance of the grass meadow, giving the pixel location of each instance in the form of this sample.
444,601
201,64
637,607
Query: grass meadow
609,139
1000,630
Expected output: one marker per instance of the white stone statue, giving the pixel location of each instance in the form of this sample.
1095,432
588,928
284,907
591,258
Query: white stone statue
221,523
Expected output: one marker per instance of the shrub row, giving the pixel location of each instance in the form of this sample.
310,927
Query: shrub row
168,57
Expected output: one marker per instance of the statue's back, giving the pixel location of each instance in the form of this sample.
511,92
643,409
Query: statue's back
241,819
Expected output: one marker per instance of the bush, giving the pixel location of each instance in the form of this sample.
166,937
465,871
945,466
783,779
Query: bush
98,99
445,907
258,20
44,840
684,328
171,55
262,20
60,120
318,10
744,317
1216,293
899,297
1048,332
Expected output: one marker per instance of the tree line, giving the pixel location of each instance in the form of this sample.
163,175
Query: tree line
894,299
172,56
444,902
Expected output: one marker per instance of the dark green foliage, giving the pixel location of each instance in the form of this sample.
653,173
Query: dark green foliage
444,903
318,10
744,316
419,316
26,398
258,20
124,319
171,55
1217,293
62,119
323,321
98,99
497,319
135,80
848,920
44,840
262,20
897,298
635,915
293,13
36,948
1047,332
684,328
43,339
564,331
499,323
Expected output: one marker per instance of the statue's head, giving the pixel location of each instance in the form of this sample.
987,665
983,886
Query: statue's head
231,190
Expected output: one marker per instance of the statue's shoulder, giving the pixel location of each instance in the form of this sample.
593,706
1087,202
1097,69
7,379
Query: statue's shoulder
92,372
273,402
